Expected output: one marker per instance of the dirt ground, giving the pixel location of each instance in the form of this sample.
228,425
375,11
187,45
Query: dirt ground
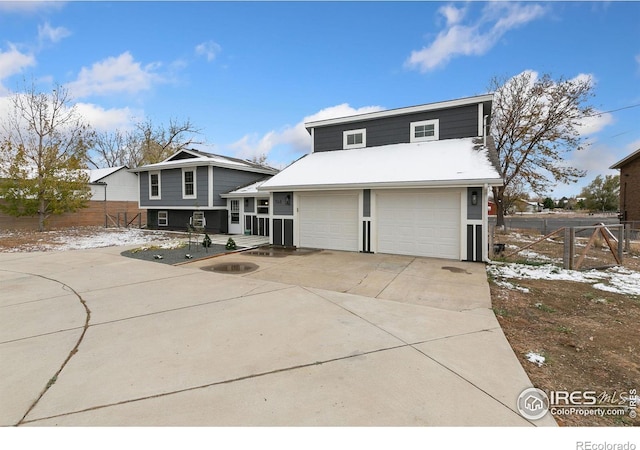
590,338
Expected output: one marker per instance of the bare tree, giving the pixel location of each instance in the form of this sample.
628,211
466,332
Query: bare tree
110,149
261,160
146,144
513,192
43,147
534,122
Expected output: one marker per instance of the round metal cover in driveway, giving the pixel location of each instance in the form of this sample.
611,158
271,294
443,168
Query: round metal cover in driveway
232,267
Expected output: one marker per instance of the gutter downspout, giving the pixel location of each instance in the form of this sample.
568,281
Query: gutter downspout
484,137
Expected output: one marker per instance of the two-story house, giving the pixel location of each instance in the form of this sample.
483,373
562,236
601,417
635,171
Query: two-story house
410,181
189,185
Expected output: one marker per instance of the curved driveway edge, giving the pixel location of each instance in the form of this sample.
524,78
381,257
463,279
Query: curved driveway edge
181,346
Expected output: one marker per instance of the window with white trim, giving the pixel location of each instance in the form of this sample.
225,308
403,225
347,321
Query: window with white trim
263,206
163,218
235,211
425,130
354,138
154,185
189,183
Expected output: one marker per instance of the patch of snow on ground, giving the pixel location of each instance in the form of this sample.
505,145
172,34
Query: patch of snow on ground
106,238
617,279
509,285
535,358
535,256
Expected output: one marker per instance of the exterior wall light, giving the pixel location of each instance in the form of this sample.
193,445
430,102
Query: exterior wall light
474,198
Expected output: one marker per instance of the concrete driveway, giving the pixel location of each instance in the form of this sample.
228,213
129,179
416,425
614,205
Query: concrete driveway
91,338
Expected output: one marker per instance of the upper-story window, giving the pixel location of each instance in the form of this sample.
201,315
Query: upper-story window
354,138
154,185
189,183
425,130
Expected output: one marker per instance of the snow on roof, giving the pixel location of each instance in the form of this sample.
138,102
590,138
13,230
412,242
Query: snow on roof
200,158
437,163
249,190
98,174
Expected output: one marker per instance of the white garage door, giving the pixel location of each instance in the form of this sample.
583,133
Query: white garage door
329,220
419,222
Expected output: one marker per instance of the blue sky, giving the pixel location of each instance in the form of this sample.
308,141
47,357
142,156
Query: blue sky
248,74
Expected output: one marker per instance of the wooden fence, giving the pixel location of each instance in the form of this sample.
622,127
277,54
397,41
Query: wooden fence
95,214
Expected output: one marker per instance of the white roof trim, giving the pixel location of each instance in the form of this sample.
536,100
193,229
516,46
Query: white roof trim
449,162
202,161
95,175
403,185
400,111
250,190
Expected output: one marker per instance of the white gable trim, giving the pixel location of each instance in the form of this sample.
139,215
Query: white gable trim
400,111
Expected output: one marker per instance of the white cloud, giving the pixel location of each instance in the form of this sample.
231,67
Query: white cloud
296,137
595,123
452,14
633,146
476,38
108,119
595,159
29,7
12,62
114,75
209,50
47,33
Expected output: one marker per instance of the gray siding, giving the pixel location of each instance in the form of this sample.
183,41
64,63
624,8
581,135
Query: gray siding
179,220
474,212
143,179
459,122
280,206
226,180
171,189
249,204
366,203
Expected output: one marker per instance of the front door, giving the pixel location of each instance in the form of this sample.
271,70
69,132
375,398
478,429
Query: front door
235,227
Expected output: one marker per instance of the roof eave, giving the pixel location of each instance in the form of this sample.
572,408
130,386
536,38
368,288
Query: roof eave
400,111
387,185
626,160
200,162
245,194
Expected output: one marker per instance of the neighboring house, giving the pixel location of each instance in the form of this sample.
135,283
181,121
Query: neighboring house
525,206
114,193
492,208
189,185
114,198
410,181
113,184
629,187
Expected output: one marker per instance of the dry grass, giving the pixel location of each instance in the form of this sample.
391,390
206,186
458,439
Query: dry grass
590,338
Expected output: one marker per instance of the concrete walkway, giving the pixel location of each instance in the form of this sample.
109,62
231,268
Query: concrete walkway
92,338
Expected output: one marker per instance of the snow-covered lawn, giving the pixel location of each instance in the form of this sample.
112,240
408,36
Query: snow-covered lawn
617,279
84,238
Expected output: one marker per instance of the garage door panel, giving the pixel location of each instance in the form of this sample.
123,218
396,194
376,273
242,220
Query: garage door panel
329,221
422,222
